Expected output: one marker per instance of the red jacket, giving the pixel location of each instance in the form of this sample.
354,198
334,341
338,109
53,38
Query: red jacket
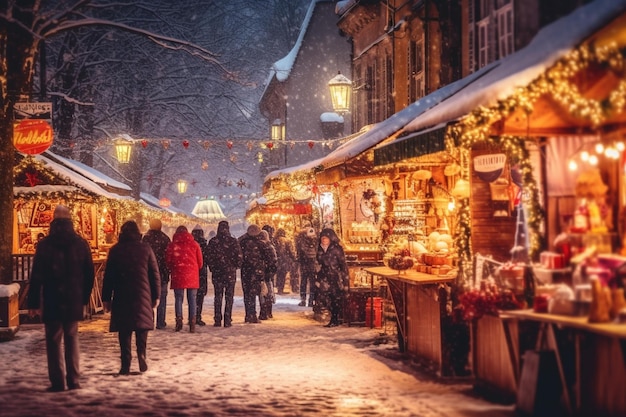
184,259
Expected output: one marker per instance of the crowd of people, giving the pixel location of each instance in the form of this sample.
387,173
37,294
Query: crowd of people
140,270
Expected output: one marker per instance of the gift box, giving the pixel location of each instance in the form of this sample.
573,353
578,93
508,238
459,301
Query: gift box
552,260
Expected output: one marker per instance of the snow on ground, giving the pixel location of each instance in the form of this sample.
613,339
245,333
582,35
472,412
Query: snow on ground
287,366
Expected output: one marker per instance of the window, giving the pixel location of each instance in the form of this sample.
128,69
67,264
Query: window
483,42
504,17
416,70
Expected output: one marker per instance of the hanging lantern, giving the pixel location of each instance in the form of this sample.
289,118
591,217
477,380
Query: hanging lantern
259,157
165,143
123,148
278,130
206,144
311,144
229,144
165,202
185,144
340,89
270,145
144,143
181,186
205,165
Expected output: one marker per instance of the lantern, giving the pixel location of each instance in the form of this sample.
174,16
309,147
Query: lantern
340,89
278,130
181,186
123,148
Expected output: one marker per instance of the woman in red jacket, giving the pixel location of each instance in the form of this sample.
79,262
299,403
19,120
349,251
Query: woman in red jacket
184,260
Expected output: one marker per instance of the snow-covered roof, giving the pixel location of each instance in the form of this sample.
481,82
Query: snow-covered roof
91,173
381,131
77,180
154,202
519,69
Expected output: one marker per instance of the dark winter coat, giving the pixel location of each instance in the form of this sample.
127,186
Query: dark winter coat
198,236
284,251
159,241
62,275
306,250
224,252
131,283
333,267
270,258
255,258
184,260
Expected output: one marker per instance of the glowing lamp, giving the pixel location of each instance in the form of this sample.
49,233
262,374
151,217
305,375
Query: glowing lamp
123,148
181,186
340,89
278,130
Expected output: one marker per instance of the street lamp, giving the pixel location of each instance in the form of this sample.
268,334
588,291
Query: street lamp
181,186
278,130
123,148
340,89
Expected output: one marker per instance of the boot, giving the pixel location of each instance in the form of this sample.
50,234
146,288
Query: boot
192,324
199,321
179,324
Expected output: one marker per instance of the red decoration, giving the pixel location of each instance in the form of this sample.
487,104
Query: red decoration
72,144
165,202
32,179
229,144
144,143
311,144
32,136
185,144
270,145
241,183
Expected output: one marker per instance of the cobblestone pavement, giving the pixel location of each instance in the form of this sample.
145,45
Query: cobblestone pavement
287,366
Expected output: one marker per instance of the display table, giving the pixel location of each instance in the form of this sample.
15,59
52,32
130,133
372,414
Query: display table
419,306
591,362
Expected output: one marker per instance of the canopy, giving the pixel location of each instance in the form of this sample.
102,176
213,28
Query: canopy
208,210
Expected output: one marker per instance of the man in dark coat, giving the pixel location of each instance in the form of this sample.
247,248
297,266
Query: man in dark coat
224,260
333,274
253,270
61,281
286,257
198,235
306,252
270,259
158,241
130,290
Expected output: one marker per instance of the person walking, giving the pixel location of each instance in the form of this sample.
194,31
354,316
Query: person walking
266,298
286,258
159,241
306,254
198,236
61,281
184,260
253,270
333,274
130,291
224,259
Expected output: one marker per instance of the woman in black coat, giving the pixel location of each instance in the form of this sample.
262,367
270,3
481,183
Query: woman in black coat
333,274
130,290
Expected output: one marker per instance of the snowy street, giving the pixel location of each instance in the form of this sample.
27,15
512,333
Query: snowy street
286,366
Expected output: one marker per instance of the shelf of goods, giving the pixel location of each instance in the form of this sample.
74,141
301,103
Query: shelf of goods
363,233
412,215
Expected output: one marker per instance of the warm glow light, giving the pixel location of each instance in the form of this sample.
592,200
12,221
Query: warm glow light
278,130
620,146
123,148
572,165
584,155
593,160
599,148
451,205
181,186
340,90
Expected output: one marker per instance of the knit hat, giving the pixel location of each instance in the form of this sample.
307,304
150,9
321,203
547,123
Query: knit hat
155,224
254,230
62,212
197,227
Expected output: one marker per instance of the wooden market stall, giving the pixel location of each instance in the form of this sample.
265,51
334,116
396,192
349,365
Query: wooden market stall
529,224
99,206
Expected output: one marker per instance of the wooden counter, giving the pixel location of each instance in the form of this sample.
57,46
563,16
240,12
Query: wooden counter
420,307
591,360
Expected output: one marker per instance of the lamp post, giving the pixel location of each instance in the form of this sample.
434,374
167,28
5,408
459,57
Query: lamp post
278,130
340,90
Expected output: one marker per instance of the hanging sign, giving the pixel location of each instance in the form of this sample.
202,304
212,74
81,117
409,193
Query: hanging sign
489,167
32,111
32,136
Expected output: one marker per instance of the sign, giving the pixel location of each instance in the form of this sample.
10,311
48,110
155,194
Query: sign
32,136
32,111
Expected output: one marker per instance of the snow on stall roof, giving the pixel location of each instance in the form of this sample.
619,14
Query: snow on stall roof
9,290
329,117
152,201
70,175
343,6
522,67
91,173
382,130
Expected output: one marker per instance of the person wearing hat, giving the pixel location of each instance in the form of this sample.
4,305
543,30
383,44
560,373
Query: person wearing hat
253,270
266,300
333,273
224,260
306,254
61,281
159,241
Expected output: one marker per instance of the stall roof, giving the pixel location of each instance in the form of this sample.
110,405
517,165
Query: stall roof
550,44
365,140
90,173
